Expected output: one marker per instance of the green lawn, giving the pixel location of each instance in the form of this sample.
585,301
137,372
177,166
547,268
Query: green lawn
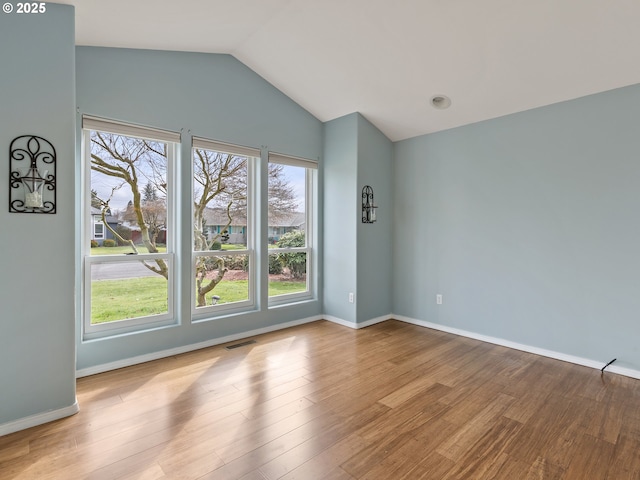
233,246
282,288
122,250
131,298
113,300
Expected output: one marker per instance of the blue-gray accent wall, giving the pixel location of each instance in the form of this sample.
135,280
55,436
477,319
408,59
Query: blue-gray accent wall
374,247
528,225
357,256
339,228
37,260
205,95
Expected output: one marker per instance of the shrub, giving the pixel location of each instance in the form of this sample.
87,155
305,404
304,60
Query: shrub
216,245
275,264
109,242
240,262
94,243
295,262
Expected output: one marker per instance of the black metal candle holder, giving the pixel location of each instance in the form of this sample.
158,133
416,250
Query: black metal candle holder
32,173
368,207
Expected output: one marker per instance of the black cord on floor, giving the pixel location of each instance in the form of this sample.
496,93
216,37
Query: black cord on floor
602,370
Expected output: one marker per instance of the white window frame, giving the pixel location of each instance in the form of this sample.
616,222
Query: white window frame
117,327
311,181
210,312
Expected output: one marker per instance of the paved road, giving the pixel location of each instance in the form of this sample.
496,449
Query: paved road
116,271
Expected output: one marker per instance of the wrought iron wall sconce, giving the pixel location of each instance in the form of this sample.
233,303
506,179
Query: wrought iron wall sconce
32,174
368,207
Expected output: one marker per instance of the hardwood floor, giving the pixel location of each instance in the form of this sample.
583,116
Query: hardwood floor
321,401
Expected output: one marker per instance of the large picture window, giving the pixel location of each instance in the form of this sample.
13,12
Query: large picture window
128,274
130,266
291,188
223,244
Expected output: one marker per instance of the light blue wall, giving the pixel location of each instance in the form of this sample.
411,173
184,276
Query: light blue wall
357,256
528,225
212,96
374,245
340,216
37,350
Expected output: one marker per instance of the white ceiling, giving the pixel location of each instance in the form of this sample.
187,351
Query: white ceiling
387,58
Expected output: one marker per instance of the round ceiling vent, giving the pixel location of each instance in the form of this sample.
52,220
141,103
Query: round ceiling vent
440,102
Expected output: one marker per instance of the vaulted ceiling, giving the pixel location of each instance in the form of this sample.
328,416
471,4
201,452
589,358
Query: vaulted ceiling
386,59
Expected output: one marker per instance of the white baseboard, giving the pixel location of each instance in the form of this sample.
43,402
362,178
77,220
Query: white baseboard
358,325
456,331
127,362
38,419
586,362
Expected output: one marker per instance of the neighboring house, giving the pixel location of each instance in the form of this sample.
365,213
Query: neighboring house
157,213
285,224
99,232
216,223
136,234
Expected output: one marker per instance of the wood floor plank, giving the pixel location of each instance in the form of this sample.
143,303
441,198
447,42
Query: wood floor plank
329,461
486,457
431,465
389,433
472,431
592,458
625,464
544,470
19,448
300,454
233,445
324,402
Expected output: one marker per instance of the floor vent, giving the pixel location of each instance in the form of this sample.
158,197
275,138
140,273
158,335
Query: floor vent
238,345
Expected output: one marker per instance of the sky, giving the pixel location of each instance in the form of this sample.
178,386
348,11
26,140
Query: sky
120,197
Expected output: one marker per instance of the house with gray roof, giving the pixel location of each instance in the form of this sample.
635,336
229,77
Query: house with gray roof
99,232
216,221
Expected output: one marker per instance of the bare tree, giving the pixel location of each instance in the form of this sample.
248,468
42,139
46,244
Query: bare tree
282,198
220,184
154,212
131,160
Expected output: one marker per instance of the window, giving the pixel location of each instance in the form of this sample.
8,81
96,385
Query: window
128,281
291,195
223,256
131,274
98,230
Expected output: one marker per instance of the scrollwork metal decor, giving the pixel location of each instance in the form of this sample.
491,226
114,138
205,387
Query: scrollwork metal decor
368,207
32,175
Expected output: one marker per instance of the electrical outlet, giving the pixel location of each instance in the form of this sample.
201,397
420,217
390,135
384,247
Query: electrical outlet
350,297
439,299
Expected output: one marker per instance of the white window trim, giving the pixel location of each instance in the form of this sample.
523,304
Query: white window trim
211,312
215,146
292,161
117,327
311,205
129,130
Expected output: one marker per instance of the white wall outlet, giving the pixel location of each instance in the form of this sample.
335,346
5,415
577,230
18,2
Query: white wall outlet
439,299
350,297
